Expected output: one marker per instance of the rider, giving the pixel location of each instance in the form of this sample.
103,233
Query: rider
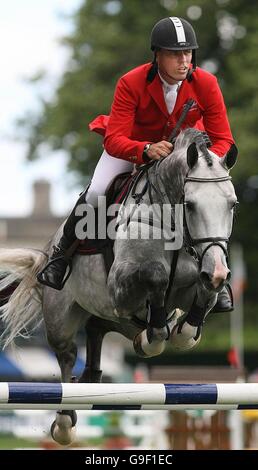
148,102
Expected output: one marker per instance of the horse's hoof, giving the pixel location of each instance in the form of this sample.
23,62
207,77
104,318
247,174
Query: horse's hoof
63,437
157,334
185,336
143,348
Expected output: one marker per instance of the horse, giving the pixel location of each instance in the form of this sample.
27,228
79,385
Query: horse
159,289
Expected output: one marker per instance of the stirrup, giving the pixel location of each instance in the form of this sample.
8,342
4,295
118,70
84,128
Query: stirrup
41,279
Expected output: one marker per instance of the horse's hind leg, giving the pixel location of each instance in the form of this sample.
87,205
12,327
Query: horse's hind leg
95,332
62,321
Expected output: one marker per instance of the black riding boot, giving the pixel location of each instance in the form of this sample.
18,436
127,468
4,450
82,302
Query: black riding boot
224,301
56,272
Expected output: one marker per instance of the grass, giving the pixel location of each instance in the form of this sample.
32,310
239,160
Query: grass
216,335
9,442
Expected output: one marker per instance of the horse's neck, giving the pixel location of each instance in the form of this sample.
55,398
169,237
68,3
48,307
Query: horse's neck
172,172
167,177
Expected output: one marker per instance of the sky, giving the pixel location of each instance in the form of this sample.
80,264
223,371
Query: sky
29,42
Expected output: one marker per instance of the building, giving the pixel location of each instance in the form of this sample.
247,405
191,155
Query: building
35,230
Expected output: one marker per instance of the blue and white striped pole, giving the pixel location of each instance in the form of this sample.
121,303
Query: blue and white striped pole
48,396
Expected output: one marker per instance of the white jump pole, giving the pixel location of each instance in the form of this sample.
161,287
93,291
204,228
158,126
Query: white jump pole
117,396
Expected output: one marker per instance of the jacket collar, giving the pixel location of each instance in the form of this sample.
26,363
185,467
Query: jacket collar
156,91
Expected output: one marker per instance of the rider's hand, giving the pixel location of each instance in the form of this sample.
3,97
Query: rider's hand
159,150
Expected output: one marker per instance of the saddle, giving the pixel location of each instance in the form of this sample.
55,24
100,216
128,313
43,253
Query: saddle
116,193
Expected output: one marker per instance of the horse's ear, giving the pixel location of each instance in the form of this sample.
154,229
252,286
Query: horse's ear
230,158
192,155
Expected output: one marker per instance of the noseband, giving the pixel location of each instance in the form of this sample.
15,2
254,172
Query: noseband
214,241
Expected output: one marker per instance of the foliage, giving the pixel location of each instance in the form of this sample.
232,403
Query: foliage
110,37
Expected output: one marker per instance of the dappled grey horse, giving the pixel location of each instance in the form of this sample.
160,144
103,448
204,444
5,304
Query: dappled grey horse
162,284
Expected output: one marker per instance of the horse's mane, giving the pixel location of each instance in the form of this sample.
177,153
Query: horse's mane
178,157
191,135
186,137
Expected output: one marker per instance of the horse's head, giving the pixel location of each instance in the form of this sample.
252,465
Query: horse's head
209,201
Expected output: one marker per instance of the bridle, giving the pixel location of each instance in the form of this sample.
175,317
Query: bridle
156,185
190,242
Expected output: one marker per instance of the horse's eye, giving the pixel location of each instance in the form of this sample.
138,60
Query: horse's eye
189,205
235,204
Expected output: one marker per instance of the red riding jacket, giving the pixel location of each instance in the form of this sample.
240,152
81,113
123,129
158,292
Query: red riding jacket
139,114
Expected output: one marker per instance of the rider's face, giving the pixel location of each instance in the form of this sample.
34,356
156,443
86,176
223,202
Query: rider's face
174,65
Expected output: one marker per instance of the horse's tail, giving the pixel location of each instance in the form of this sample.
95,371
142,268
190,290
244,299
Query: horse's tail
18,277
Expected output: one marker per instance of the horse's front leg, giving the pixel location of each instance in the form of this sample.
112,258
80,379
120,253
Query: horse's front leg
155,279
187,334
139,287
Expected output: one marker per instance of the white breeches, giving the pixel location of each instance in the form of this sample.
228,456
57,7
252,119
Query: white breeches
107,168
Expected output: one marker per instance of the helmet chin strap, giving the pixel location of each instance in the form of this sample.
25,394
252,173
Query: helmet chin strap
190,71
154,69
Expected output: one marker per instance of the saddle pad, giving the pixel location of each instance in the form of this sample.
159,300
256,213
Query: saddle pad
114,194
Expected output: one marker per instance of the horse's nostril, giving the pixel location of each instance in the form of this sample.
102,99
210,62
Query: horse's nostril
228,276
205,278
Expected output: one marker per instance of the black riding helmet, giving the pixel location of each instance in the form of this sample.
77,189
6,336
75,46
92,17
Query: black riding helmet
175,34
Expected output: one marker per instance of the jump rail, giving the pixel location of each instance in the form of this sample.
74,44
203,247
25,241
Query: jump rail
71,396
